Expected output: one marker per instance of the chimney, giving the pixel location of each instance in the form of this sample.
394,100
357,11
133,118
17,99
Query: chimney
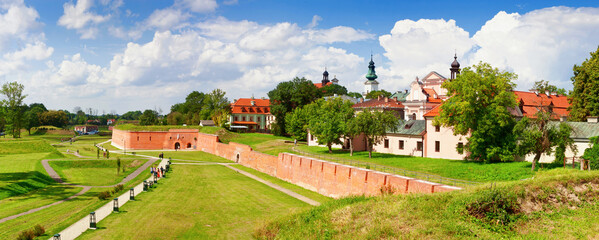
592,119
386,99
563,118
547,93
253,103
379,97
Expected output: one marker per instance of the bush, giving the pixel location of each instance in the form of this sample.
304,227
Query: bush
498,208
592,153
26,235
39,230
104,195
117,188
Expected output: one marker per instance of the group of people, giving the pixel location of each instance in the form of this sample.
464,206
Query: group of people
159,172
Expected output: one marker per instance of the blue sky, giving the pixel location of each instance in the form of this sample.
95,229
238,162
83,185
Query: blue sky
116,55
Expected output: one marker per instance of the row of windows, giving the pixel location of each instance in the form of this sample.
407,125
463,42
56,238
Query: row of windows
250,118
419,145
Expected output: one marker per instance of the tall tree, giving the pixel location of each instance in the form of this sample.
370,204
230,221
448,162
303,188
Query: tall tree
329,120
288,96
149,117
375,126
544,87
13,92
297,122
54,118
478,106
584,98
32,116
538,136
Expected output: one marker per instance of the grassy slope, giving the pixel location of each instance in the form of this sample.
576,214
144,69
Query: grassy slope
264,143
448,215
214,203
458,169
186,155
95,172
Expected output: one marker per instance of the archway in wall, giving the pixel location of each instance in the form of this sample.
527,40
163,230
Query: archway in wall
237,158
177,145
189,145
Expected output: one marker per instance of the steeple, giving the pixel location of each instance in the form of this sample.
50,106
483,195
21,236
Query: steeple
455,67
371,76
325,77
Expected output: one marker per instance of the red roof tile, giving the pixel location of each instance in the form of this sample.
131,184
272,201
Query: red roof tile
379,103
319,85
434,112
530,103
244,106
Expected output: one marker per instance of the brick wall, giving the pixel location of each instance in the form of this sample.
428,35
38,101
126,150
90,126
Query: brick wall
327,178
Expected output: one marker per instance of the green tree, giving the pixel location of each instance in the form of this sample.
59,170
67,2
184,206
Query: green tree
32,117
328,122
215,103
544,87
478,105
592,153
376,94
352,130
584,98
174,118
297,122
355,95
13,91
149,117
330,90
118,164
375,126
288,96
131,115
54,118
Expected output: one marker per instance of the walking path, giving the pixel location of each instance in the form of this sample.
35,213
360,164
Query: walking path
54,175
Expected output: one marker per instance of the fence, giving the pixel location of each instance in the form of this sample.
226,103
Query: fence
392,170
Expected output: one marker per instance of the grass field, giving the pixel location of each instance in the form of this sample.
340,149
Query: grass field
264,143
557,204
95,172
214,203
459,169
186,155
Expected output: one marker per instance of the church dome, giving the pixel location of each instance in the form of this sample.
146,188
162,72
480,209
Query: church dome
325,73
455,63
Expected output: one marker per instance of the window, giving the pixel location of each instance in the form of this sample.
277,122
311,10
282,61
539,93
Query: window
386,143
137,138
235,118
460,148
437,146
419,146
400,144
437,128
150,138
311,137
413,116
242,118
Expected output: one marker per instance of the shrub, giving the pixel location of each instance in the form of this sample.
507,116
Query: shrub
117,188
39,230
498,208
26,235
104,195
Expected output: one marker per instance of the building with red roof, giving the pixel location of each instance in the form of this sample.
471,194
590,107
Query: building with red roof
251,114
381,104
529,103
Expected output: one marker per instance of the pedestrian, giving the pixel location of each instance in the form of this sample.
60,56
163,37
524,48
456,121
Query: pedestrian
294,142
162,170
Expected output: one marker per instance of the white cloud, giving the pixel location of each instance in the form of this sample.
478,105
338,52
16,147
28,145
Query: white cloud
315,20
200,6
77,16
16,21
542,44
165,19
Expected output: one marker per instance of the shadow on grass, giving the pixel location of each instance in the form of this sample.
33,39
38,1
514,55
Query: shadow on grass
23,182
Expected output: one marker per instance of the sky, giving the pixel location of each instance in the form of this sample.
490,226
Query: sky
116,56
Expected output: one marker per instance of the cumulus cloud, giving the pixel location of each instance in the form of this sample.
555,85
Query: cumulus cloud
165,19
541,44
200,6
16,21
78,16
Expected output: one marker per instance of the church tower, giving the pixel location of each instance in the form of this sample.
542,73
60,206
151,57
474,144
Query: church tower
371,84
325,77
455,67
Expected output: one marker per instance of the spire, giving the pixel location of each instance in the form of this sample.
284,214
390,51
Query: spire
455,67
371,73
325,77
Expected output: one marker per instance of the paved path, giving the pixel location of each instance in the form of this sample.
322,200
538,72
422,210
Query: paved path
275,186
54,175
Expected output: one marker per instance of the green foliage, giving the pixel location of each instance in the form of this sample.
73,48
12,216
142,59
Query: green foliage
330,90
13,91
28,234
592,153
149,117
584,98
374,125
497,208
355,95
297,122
544,87
54,118
130,115
118,188
480,98
379,93
32,116
118,164
328,118
200,106
38,230
288,96
104,195
132,127
563,141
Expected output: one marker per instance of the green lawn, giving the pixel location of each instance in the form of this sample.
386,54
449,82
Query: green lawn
459,169
198,202
85,145
94,172
54,218
295,188
265,143
36,198
186,155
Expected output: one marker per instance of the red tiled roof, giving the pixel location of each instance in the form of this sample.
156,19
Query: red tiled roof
432,95
434,112
244,106
379,103
245,123
319,85
530,103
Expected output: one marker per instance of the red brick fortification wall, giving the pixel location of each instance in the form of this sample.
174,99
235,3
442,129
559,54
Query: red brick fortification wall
327,178
185,138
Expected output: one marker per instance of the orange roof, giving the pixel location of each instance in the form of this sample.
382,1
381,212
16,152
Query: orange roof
530,103
434,112
244,106
432,95
245,123
379,103
319,85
